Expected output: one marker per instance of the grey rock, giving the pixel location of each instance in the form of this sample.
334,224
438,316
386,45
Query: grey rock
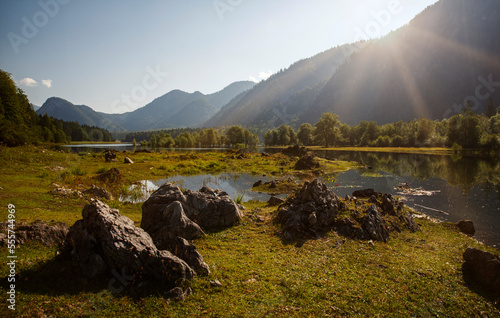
99,193
366,193
482,269
208,210
274,201
466,227
178,294
375,226
187,252
307,162
258,184
38,231
310,212
104,241
173,222
109,155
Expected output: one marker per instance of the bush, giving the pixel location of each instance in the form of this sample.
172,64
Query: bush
456,148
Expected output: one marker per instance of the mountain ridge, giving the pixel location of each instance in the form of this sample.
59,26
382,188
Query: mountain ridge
174,109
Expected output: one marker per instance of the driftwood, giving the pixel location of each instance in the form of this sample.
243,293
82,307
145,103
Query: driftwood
405,189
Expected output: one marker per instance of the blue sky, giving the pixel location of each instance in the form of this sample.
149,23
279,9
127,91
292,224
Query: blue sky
118,55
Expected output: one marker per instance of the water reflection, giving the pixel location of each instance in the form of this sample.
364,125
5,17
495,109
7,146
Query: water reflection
466,172
233,184
479,203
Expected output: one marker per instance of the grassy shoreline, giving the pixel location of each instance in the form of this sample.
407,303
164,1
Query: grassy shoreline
414,274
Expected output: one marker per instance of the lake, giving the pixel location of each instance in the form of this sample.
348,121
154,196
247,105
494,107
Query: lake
467,188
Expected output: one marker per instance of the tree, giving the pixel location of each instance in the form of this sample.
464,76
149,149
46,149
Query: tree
325,132
209,137
271,137
235,135
305,134
284,136
425,130
490,110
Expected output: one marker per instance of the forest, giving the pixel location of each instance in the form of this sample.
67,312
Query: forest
467,130
19,123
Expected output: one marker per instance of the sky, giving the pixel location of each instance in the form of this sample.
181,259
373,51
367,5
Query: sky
118,55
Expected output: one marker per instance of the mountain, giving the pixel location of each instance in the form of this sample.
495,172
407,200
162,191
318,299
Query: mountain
180,109
35,107
172,110
62,109
224,96
448,53
428,68
285,96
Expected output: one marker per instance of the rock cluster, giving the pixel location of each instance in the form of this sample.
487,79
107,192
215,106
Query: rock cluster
65,192
296,151
308,213
307,162
169,213
482,269
110,155
110,176
98,193
38,231
105,241
315,210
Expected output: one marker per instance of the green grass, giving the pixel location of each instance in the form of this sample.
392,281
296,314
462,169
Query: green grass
413,275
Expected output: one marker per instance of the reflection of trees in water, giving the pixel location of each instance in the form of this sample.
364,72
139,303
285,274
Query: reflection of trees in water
465,172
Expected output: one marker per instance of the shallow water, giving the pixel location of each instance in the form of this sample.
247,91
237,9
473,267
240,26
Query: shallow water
235,185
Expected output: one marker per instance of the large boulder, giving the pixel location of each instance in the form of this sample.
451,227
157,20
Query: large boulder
169,213
482,269
309,213
105,241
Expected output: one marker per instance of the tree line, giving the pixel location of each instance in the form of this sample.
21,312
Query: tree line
234,136
19,123
466,130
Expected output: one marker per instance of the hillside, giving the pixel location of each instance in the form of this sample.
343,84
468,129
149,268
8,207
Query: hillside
84,115
285,96
425,69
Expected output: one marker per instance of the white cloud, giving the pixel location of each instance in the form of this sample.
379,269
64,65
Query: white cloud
47,82
29,82
261,76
